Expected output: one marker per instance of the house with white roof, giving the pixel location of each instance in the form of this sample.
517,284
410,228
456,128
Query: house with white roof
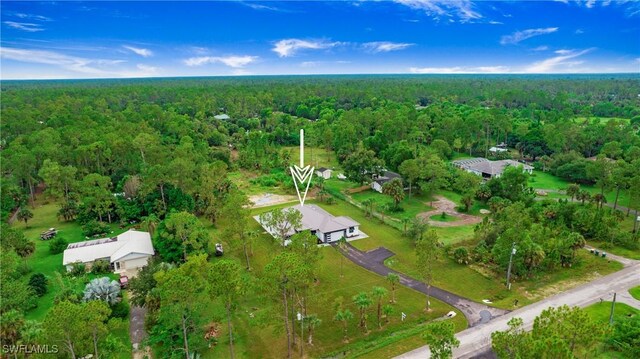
324,172
489,169
322,224
127,251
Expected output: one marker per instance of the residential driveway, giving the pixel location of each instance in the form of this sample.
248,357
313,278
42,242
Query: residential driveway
136,326
478,338
476,313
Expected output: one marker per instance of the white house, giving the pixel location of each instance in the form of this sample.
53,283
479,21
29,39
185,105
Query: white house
380,180
323,172
489,169
127,251
322,224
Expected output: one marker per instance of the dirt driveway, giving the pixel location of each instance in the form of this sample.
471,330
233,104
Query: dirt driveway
270,199
447,206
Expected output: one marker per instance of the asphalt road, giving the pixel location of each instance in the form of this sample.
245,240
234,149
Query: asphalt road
477,339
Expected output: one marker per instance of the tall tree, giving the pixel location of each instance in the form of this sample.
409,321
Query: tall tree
281,222
410,170
395,190
24,214
378,294
361,165
181,233
426,255
440,336
236,216
229,283
363,302
393,279
344,316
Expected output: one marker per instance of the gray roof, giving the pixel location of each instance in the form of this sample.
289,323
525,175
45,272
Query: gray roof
322,169
484,165
386,176
315,218
112,248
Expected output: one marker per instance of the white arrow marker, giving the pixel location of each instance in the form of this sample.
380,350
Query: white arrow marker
302,173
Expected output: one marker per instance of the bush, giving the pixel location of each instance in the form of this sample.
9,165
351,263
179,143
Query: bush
101,266
57,245
77,269
94,227
461,255
23,268
38,283
119,310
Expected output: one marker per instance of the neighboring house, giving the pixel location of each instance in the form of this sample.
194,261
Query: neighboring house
322,224
489,169
380,180
223,116
323,172
127,251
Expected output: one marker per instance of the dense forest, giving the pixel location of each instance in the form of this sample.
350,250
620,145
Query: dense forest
156,152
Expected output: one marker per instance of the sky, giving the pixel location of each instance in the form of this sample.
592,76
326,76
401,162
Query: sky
74,40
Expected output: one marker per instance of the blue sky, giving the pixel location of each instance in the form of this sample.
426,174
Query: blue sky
41,40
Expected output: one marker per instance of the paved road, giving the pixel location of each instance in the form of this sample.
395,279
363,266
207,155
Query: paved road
476,313
478,339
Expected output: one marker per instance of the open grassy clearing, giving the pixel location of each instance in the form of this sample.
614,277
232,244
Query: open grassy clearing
258,336
411,206
42,261
545,180
315,156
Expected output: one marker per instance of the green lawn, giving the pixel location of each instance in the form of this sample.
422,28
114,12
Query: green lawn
621,251
443,218
545,180
601,312
411,206
41,261
635,292
315,156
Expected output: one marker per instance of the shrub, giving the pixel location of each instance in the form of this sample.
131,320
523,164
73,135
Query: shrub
77,269
57,245
461,255
38,283
102,289
94,227
100,267
119,310
23,268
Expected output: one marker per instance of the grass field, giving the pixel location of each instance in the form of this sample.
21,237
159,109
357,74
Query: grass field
41,261
314,156
545,180
411,207
635,292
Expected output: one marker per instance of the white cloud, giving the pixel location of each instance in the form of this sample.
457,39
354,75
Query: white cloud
316,63
518,36
462,9
32,16
80,66
385,46
541,48
231,61
460,70
493,22
579,31
260,6
288,47
558,63
139,51
24,26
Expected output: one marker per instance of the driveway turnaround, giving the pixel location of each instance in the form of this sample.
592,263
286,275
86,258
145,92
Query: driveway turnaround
476,313
477,339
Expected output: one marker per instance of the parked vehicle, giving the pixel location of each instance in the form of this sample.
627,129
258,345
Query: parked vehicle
219,250
48,234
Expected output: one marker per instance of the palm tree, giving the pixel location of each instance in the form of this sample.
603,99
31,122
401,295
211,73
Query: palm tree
379,293
405,221
150,223
344,316
600,199
583,196
363,301
395,190
312,321
393,279
387,310
573,190
24,214
368,206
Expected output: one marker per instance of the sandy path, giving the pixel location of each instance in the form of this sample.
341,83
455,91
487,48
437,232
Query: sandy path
449,207
270,199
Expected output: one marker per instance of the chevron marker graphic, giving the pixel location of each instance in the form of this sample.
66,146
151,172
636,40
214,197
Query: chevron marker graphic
302,174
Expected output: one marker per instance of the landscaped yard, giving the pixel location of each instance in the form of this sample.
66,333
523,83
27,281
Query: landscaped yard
443,218
41,261
258,336
411,206
635,292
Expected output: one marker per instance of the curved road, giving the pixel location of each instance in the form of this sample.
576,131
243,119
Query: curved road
477,339
476,313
